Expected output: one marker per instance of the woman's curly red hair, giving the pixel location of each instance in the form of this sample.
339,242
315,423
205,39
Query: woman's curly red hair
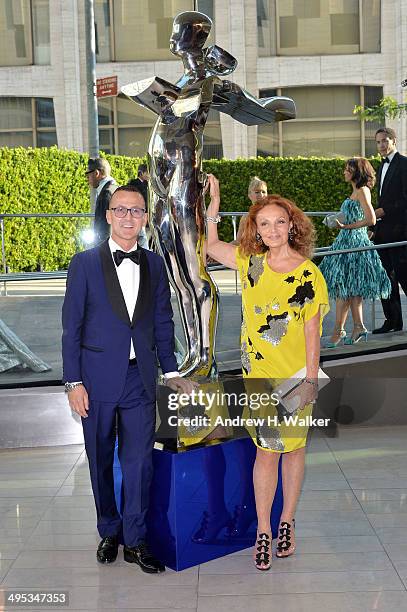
303,232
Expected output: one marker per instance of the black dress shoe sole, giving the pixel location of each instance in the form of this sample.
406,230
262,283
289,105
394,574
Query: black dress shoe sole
105,561
147,570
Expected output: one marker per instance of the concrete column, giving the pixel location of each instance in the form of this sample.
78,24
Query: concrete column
236,31
401,71
66,64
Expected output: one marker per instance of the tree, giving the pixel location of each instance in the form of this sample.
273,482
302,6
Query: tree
387,107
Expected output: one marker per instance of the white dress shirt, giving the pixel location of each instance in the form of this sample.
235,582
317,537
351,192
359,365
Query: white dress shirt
385,168
128,274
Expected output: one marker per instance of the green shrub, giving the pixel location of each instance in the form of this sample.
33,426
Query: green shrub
53,181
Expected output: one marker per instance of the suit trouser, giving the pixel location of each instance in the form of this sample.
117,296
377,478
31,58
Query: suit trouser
135,413
395,263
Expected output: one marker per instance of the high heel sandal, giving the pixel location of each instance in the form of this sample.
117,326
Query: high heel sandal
341,336
262,559
285,548
357,335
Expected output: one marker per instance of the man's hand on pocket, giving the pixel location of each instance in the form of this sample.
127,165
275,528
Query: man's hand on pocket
79,401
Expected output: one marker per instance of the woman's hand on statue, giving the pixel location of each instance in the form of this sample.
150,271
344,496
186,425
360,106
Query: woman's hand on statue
213,186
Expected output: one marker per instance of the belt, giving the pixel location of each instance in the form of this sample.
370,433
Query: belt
133,362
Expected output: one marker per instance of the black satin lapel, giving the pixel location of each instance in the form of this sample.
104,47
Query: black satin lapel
114,291
392,169
144,290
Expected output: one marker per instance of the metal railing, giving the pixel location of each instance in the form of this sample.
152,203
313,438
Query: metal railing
25,276
234,215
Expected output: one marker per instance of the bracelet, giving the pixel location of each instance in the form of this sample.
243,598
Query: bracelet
312,382
214,219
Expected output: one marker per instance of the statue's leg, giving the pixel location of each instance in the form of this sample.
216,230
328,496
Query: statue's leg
189,230
167,244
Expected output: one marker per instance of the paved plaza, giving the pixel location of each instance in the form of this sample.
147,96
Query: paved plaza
351,537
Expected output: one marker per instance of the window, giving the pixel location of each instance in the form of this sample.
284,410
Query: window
27,122
125,129
24,32
325,125
318,27
129,31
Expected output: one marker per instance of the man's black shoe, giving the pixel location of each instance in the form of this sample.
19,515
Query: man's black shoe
142,556
386,328
107,549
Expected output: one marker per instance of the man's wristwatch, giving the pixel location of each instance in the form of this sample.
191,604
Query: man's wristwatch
70,386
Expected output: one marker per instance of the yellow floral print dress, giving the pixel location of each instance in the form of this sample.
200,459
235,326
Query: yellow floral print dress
275,307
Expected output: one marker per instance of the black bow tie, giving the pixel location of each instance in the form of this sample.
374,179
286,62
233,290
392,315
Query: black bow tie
118,256
386,160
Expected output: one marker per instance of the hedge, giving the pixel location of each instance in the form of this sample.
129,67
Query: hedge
53,180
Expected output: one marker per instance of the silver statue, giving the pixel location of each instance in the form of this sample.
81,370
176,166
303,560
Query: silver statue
176,195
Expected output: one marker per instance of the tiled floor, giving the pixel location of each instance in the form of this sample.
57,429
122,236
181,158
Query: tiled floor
351,537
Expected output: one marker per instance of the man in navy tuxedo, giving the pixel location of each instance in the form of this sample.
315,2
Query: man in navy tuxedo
392,224
117,319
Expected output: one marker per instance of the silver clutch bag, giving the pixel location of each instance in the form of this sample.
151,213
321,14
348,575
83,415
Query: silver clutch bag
330,220
286,390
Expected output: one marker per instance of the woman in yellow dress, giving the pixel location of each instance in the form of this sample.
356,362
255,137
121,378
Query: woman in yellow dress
284,299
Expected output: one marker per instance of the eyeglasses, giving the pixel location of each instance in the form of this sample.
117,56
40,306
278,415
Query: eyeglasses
121,212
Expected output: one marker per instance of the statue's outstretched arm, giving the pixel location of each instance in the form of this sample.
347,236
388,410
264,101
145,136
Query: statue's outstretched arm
155,94
231,99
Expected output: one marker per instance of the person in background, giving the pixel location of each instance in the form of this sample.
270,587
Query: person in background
98,174
392,224
257,189
352,277
141,182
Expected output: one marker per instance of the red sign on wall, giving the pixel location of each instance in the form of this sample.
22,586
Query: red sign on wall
106,87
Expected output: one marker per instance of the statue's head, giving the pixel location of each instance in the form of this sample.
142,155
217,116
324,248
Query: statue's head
190,31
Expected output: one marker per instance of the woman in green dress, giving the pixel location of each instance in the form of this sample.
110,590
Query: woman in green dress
284,299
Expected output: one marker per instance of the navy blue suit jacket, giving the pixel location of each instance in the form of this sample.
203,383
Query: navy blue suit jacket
97,328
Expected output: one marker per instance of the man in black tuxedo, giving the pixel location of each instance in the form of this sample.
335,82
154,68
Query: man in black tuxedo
98,174
392,224
117,321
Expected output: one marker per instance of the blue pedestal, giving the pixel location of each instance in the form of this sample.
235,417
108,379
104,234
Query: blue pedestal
185,486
